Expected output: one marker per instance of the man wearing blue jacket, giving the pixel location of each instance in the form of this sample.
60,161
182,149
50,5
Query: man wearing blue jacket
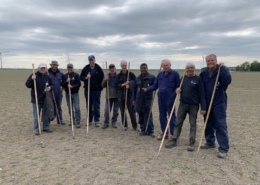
217,118
192,94
43,84
56,78
143,100
71,80
167,82
95,73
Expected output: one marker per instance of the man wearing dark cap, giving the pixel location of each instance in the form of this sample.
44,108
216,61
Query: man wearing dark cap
110,79
56,78
95,73
72,80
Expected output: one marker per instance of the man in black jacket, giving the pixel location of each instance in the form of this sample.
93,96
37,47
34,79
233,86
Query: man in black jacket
71,80
43,84
122,84
95,73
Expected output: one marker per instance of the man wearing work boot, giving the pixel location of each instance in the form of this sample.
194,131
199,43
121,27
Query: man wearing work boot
93,73
143,100
167,82
71,80
217,123
192,95
110,79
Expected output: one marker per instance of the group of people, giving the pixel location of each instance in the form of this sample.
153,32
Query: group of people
136,94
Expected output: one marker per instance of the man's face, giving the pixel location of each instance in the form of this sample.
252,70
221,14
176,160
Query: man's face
124,66
92,62
166,66
42,70
190,70
211,62
54,66
143,69
112,69
70,69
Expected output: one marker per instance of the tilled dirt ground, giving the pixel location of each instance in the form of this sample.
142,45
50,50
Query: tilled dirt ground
112,156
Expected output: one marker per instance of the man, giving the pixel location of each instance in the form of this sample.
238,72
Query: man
110,79
192,95
122,83
71,80
167,82
143,100
217,117
93,72
43,84
56,78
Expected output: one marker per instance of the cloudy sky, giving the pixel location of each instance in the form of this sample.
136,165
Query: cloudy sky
38,31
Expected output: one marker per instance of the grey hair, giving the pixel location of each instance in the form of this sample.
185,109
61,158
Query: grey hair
123,61
190,64
166,60
212,55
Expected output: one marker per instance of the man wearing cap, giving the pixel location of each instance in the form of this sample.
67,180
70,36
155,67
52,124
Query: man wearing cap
122,83
41,79
56,77
110,79
95,73
72,80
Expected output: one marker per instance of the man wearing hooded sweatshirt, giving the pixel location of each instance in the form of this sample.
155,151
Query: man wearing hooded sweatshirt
56,77
95,74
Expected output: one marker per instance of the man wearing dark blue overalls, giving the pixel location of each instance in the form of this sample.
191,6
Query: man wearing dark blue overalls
217,118
56,78
95,73
167,82
143,100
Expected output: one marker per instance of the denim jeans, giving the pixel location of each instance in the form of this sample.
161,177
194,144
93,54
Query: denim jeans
35,118
75,106
183,109
112,101
94,104
130,111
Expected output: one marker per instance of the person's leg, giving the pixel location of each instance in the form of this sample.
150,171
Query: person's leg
181,115
76,104
150,128
122,110
219,118
68,102
131,113
173,119
114,101
35,119
96,104
106,113
209,133
90,105
193,112
162,113
58,98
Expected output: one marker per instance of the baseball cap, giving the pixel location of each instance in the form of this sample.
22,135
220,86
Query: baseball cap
111,65
42,65
91,57
70,65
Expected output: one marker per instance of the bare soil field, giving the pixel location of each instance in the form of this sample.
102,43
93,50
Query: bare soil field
112,156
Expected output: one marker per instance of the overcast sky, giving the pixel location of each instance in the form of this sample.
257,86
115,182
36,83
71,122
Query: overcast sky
38,31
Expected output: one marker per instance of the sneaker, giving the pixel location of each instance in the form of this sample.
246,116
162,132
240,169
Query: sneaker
105,126
141,133
190,148
171,143
134,128
207,146
152,135
47,131
89,124
36,132
114,125
222,154
161,136
97,124
78,125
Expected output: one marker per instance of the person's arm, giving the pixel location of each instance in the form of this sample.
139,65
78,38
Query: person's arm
104,82
29,82
119,85
134,87
224,76
64,82
83,74
202,97
154,86
77,82
50,83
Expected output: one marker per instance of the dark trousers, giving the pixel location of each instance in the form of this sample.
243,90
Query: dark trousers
58,98
94,105
183,110
217,124
143,117
112,101
130,111
165,108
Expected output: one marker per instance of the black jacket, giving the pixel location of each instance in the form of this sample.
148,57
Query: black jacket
41,80
48,111
74,81
97,76
122,78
